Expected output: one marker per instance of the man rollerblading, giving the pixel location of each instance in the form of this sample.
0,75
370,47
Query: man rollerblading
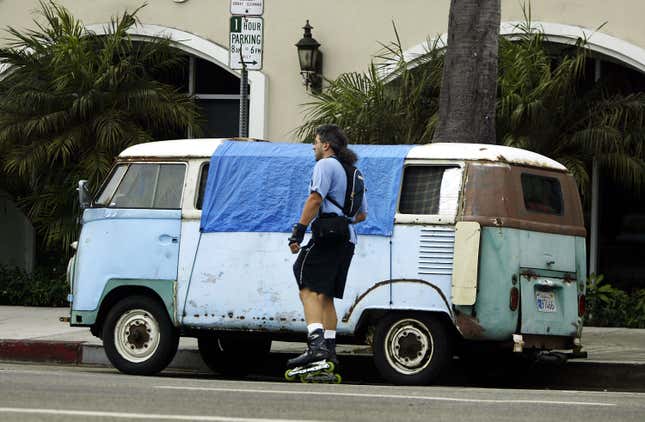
336,201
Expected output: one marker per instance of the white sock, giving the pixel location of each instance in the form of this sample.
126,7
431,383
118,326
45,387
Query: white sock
330,334
314,326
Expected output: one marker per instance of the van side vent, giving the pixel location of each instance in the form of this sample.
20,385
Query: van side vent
436,249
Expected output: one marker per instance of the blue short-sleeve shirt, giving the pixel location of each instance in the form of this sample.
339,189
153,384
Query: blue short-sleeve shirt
330,180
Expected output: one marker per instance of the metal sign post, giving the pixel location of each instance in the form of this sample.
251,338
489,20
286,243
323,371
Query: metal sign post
244,105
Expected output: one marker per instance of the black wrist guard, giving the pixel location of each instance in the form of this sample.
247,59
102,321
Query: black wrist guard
297,234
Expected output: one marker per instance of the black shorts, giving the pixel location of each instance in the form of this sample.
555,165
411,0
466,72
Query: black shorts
323,268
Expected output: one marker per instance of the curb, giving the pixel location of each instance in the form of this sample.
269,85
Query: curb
596,374
42,351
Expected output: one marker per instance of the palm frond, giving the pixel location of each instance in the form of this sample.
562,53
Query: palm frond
71,102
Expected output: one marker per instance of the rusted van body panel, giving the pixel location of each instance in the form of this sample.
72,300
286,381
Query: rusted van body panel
493,197
540,254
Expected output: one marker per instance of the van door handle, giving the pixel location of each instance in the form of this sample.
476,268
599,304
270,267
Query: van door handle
165,239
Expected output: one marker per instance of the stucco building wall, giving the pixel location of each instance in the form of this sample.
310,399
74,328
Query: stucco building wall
350,33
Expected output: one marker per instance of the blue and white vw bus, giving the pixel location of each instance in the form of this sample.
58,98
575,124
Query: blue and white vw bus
463,243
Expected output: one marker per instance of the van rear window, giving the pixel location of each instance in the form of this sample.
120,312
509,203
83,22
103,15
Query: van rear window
542,194
421,191
203,177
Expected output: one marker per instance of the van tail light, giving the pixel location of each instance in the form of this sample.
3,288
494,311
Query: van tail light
515,298
581,305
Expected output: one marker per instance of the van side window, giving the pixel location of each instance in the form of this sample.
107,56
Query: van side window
202,186
111,185
542,194
150,186
170,184
422,190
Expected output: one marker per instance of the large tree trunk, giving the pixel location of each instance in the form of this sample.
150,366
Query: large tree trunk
469,84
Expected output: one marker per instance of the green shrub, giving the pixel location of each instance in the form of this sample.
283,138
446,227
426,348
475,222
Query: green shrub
608,306
43,287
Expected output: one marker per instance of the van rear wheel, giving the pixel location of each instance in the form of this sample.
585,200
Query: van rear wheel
411,349
233,355
138,336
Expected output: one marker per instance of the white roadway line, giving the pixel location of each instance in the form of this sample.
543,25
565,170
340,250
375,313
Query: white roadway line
151,416
384,396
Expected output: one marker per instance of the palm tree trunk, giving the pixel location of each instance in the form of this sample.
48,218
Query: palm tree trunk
469,84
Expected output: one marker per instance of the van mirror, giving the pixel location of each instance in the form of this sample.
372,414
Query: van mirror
84,198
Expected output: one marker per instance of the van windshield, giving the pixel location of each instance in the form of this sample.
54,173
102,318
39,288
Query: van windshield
110,187
144,185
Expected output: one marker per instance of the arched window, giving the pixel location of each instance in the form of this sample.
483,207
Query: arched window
215,86
217,92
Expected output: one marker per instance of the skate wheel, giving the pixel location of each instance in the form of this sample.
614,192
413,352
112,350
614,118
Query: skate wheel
289,377
337,379
331,367
304,379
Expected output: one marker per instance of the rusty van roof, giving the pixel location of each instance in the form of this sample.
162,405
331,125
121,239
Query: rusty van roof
440,151
483,152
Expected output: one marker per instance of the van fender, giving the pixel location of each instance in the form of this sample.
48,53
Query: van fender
115,289
410,295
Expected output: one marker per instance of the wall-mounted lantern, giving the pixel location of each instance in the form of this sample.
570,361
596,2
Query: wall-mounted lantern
310,60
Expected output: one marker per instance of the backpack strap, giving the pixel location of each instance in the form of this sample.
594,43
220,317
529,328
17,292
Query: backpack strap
348,191
333,201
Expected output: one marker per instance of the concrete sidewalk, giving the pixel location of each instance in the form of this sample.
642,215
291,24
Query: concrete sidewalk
36,335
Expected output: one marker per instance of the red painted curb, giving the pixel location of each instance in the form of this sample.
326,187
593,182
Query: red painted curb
42,351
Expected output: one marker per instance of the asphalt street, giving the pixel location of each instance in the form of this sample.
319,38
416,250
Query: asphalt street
63,393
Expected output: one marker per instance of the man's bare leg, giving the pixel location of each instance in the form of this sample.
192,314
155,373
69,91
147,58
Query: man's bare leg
329,318
313,303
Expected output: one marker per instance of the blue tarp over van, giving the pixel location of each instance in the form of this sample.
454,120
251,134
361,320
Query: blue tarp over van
262,187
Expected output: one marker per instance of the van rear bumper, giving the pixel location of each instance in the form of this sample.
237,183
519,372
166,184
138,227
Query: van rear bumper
545,342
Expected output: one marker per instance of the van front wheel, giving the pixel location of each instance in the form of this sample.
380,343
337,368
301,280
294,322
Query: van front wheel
139,337
411,349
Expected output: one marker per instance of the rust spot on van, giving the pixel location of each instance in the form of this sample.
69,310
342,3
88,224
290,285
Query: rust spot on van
386,282
493,196
501,158
469,326
529,274
360,297
569,278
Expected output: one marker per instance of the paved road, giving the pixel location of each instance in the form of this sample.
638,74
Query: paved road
58,393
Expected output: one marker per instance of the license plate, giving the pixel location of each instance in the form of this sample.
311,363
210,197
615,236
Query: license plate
545,301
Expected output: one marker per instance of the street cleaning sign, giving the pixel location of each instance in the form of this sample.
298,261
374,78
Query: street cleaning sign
247,7
246,42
